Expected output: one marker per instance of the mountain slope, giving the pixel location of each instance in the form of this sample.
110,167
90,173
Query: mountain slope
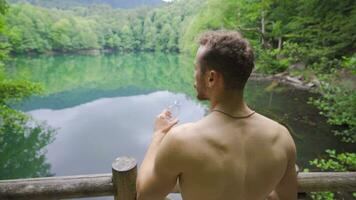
73,3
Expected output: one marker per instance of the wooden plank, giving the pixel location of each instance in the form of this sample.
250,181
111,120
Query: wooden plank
57,187
327,181
124,170
321,181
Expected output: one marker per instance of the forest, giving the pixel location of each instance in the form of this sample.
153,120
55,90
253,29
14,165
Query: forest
32,29
314,40
63,4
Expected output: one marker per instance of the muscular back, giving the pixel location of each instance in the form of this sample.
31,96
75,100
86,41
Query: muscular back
225,158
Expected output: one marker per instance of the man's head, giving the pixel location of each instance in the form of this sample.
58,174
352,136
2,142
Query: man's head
224,60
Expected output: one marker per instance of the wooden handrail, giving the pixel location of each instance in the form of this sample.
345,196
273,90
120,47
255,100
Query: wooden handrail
327,181
121,184
65,187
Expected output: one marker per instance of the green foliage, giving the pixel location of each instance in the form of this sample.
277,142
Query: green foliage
349,63
327,24
338,104
3,7
269,63
11,91
336,162
320,31
322,195
3,43
213,15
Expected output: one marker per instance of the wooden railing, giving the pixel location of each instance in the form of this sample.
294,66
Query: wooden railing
122,184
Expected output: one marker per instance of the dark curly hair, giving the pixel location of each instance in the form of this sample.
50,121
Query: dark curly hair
230,54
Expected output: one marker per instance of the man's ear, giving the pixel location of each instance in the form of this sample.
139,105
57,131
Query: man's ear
212,77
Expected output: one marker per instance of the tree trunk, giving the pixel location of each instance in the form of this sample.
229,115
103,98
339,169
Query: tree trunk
263,29
280,42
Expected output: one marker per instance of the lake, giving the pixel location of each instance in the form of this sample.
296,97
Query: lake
103,106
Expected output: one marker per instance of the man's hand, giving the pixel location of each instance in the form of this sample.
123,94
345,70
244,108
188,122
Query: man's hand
164,122
273,196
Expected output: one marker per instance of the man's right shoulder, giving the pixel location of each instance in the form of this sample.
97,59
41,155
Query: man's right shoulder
273,125
286,140
280,131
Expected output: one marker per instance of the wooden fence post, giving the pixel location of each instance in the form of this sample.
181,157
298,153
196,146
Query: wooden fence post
124,173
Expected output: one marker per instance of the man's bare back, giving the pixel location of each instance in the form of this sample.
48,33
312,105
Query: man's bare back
228,158
222,156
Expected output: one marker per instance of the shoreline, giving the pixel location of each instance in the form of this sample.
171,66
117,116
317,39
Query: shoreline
87,52
282,78
285,79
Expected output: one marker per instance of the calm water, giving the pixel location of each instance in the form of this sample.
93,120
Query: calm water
103,106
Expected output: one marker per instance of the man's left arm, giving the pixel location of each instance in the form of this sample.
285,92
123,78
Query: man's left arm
159,171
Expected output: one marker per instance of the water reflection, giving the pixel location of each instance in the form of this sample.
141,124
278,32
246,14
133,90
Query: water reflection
93,134
22,148
107,72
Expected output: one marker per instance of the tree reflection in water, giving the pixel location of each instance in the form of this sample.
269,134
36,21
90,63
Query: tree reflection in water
22,146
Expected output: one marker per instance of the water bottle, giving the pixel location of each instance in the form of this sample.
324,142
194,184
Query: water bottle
174,109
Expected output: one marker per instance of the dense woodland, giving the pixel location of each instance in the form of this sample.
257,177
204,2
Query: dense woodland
314,40
40,30
64,4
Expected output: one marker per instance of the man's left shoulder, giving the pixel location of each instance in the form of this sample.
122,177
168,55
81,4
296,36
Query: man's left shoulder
183,129
175,147
180,136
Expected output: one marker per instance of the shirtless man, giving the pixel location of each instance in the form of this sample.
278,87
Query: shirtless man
232,153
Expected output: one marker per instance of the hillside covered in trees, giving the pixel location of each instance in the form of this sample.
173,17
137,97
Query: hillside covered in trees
32,29
76,3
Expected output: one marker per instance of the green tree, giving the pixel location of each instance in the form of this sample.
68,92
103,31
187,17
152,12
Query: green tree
61,38
26,136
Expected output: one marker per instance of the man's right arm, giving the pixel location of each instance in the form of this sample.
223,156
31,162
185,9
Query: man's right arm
287,188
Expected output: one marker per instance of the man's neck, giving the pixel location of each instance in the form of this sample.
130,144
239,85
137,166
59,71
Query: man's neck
231,102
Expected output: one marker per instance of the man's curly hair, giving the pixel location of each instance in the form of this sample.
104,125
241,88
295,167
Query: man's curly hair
230,54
